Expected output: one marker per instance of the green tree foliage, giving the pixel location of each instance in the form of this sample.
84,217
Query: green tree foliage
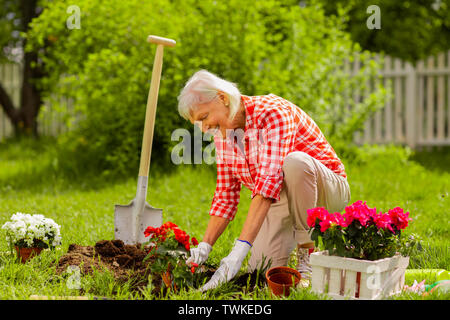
263,46
9,12
411,30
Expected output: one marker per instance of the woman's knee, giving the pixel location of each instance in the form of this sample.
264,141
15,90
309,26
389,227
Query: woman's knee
298,163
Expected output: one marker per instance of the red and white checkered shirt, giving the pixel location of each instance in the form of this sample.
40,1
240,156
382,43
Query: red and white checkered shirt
274,127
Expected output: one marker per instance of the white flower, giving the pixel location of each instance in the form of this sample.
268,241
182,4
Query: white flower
28,229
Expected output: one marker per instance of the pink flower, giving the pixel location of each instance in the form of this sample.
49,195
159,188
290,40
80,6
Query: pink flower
330,220
399,218
383,221
340,220
358,211
314,213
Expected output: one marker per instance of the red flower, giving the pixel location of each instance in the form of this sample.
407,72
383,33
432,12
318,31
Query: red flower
315,213
170,229
340,220
193,266
399,218
149,231
168,236
383,221
358,211
170,225
330,220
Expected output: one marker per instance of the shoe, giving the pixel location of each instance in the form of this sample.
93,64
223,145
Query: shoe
303,265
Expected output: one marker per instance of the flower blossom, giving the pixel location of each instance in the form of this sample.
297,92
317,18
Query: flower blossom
383,221
399,218
193,266
315,213
331,220
358,211
167,230
31,229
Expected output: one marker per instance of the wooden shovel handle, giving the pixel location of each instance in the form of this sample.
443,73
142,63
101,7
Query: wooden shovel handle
152,100
159,40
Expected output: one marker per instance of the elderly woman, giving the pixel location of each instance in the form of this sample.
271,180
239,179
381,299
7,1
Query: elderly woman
281,156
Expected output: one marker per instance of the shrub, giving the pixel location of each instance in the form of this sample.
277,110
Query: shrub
264,47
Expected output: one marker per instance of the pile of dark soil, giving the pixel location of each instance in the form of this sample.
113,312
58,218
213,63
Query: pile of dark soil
248,281
122,260
125,262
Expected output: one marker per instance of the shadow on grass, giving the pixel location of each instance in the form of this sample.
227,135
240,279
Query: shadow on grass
434,159
29,164
37,168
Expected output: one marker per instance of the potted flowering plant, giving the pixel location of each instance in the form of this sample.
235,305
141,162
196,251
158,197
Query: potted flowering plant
170,247
358,243
361,232
29,234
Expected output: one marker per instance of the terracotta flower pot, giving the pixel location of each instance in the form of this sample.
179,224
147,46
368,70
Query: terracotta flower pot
25,254
281,279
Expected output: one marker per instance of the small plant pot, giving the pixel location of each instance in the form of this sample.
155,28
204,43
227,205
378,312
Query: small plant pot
26,254
281,279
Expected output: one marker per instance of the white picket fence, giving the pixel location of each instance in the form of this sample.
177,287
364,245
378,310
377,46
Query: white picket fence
50,121
417,115
419,112
10,78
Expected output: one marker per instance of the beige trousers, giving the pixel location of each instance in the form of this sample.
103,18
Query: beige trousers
307,184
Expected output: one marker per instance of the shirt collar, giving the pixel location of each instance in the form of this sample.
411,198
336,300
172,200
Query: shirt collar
249,106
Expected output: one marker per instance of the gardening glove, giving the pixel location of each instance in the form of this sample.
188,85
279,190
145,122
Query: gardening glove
199,254
229,266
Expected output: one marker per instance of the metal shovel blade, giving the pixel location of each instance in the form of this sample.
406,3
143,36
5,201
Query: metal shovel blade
131,230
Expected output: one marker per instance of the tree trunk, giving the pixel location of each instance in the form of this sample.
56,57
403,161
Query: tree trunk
30,99
24,116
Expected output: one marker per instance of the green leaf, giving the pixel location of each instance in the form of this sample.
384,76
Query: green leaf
274,52
315,234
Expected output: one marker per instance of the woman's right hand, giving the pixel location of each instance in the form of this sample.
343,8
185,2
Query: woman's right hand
200,254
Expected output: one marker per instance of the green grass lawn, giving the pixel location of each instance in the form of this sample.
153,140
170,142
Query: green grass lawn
31,182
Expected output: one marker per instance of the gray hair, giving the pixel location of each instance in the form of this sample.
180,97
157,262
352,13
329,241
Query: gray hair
203,87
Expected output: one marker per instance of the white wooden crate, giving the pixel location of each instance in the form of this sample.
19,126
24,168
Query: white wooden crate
347,278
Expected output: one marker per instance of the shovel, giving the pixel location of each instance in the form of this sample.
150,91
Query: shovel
130,221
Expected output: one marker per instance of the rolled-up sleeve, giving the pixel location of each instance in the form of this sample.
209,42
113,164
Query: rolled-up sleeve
277,129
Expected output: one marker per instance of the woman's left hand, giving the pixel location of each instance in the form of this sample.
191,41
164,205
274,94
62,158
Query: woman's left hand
229,266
